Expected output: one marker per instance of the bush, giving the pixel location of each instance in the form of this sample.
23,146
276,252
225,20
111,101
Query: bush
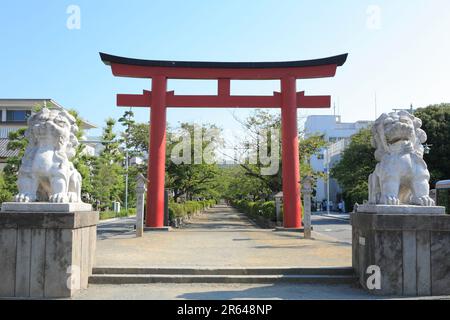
258,208
111,214
269,210
178,210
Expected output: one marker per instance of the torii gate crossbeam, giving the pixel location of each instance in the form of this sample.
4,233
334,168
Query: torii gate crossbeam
159,100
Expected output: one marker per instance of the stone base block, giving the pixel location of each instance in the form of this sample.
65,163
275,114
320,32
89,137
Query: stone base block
45,207
46,254
402,209
412,252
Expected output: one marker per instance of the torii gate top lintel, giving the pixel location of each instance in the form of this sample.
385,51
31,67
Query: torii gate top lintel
302,69
338,60
158,99
224,72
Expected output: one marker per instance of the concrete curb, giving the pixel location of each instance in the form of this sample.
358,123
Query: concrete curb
225,271
115,219
333,217
156,278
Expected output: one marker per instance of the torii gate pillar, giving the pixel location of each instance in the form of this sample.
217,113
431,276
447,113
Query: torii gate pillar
290,156
157,155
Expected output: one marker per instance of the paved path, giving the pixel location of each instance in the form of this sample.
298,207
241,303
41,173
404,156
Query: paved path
220,238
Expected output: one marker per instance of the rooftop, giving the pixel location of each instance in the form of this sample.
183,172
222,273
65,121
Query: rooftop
4,152
30,103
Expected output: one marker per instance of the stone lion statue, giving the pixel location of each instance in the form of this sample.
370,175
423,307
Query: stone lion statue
401,176
46,173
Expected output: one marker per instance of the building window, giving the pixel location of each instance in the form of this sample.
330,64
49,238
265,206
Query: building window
17,115
332,139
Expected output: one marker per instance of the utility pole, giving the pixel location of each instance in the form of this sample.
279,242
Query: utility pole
126,179
127,161
328,180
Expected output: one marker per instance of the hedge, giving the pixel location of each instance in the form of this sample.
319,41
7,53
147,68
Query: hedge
259,208
111,214
177,210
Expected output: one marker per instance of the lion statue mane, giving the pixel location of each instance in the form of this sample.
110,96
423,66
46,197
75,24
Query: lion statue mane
401,177
46,173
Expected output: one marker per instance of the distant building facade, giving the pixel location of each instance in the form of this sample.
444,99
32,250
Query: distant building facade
337,134
13,116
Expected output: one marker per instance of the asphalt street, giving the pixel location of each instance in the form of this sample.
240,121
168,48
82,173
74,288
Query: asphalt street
337,228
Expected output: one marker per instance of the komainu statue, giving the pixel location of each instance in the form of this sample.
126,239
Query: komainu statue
401,176
46,173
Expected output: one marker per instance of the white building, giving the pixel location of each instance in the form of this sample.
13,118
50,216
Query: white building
337,134
13,116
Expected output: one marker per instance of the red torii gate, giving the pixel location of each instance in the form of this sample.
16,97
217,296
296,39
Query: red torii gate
288,100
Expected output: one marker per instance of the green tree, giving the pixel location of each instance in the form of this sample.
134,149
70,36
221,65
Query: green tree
192,179
82,161
135,140
108,181
139,138
5,194
436,123
258,185
17,142
355,166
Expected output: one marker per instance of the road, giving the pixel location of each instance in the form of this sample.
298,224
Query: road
337,228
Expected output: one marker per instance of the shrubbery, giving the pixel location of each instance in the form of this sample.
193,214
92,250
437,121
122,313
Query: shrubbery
123,213
178,210
259,208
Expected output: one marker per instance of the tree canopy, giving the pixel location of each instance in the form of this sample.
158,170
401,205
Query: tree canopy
436,123
355,166
249,180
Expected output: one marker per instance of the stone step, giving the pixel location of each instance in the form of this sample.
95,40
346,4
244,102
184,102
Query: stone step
336,271
176,278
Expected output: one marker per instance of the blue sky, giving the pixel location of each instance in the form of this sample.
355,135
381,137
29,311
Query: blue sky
404,58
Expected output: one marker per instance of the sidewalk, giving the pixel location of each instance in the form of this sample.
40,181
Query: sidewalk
333,214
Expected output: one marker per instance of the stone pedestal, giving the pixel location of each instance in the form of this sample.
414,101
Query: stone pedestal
409,244
45,254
